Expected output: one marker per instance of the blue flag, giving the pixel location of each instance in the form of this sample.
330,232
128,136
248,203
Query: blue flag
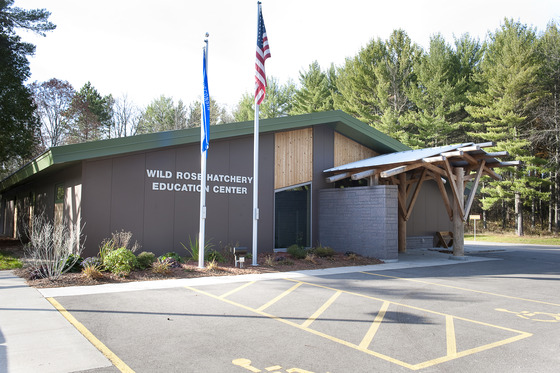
205,141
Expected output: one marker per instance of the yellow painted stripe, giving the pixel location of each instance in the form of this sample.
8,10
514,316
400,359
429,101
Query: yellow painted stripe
464,289
271,302
443,359
407,306
236,289
117,362
322,309
320,334
366,341
450,335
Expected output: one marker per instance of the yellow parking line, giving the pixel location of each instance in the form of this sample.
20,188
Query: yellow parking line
363,346
271,302
117,362
312,331
460,288
322,309
366,341
236,289
450,336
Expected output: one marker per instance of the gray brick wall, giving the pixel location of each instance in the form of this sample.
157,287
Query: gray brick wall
363,220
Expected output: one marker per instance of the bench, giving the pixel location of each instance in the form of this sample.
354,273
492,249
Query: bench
444,239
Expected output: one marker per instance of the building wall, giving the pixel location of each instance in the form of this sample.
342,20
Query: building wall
429,215
37,197
131,193
361,219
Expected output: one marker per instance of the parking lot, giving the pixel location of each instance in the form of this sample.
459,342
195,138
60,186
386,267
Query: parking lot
497,315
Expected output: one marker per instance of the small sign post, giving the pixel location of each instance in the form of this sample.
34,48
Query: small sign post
475,218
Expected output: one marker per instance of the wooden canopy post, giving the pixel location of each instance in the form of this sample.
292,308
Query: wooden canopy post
458,207
402,213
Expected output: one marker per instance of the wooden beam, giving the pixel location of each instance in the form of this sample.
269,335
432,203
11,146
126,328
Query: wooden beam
445,198
437,158
332,179
470,159
455,187
454,153
435,169
401,219
473,190
398,170
415,195
492,174
363,174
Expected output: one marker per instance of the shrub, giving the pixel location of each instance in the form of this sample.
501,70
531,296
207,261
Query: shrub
311,258
51,246
192,249
145,259
73,263
216,256
323,251
92,261
173,255
120,261
171,262
92,270
297,252
160,267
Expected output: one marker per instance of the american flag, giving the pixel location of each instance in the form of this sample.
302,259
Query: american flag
263,52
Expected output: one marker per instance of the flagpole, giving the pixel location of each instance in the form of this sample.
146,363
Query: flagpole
203,156
255,184
263,52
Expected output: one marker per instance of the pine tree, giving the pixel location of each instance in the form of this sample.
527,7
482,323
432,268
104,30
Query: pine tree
503,108
315,93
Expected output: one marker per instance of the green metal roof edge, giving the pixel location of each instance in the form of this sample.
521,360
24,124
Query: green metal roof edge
338,120
37,165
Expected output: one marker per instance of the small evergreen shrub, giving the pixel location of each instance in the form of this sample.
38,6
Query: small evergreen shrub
171,262
91,270
120,261
297,252
145,259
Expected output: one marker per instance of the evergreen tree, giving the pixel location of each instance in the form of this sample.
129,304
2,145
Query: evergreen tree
162,115
443,81
19,128
89,116
315,93
277,102
376,86
503,108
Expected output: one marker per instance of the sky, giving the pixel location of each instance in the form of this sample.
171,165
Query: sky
145,49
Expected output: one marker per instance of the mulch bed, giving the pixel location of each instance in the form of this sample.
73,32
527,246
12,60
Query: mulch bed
268,262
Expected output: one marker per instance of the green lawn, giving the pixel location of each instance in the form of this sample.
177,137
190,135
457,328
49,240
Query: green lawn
9,262
511,238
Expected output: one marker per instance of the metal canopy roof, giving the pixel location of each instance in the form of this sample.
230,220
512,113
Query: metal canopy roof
417,166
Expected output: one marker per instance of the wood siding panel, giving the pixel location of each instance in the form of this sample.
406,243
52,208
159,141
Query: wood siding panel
293,157
348,151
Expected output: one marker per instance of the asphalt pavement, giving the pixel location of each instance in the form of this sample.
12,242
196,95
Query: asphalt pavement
80,329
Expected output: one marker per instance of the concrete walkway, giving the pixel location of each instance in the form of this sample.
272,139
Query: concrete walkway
35,337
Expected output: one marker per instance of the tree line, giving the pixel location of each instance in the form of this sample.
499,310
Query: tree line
504,89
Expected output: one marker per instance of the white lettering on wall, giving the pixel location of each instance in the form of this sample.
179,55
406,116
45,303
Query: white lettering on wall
182,178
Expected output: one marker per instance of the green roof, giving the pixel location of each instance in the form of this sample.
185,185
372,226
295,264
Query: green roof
338,120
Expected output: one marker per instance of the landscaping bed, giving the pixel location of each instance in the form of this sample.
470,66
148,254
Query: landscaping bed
267,263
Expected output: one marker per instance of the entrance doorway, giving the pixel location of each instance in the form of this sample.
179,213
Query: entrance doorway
292,217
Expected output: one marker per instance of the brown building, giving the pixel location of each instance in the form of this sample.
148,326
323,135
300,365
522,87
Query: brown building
150,184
